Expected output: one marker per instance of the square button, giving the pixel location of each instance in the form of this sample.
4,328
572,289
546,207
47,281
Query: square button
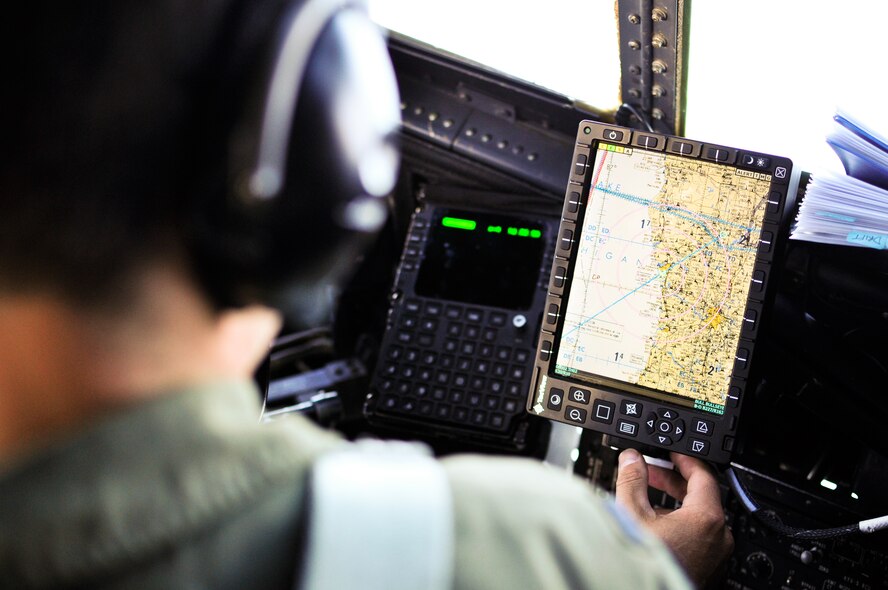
627,428
577,415
699,447
556,397
701,426
603,411
631,408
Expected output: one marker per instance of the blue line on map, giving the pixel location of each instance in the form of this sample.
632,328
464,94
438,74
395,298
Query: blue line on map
670,208
658,275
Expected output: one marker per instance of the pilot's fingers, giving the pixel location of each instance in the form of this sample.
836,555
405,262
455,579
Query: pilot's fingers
669,481
632,485
702,487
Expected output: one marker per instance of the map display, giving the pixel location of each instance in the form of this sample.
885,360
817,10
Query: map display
665,254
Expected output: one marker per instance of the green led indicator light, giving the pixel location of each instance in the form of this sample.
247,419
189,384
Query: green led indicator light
494,229
524,232
512,231
535,233
457,223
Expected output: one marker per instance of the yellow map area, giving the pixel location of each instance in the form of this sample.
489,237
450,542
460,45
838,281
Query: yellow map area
662,275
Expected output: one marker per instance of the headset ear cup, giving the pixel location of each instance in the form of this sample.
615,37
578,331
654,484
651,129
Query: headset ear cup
285,247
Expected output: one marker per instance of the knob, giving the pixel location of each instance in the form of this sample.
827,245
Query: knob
519,321
759,565
811,556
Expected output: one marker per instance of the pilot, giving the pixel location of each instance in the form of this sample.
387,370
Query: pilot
130,451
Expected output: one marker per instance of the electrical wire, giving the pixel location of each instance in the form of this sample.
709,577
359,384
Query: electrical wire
773,522
633,110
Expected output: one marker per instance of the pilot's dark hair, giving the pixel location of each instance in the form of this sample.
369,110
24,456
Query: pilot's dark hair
103,124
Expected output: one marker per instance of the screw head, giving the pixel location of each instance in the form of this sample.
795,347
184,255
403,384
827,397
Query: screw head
659,14
634,44
634,19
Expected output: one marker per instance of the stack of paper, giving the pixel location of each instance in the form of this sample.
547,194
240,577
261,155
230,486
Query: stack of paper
850,210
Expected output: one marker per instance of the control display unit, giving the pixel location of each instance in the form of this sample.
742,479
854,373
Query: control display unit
457,355
657,288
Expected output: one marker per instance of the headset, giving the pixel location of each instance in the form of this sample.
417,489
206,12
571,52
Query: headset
308,162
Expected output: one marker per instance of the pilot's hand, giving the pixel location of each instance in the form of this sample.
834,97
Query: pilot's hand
696,533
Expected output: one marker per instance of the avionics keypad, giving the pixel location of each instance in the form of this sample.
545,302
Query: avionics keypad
450,364
457,355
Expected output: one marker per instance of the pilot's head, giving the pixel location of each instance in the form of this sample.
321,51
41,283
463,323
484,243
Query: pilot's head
247,142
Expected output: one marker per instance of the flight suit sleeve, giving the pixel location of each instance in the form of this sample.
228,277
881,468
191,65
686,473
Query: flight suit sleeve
522,524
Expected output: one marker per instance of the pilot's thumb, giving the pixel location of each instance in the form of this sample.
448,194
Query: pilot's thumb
632,485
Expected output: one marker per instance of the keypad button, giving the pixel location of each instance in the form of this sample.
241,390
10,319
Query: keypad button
457,396
412,355
460,380
664,427
667,414
485,350
474,399
575,414
433,309
650,422
452,312
679,430
395,352
698,446
663,439
556,398
577,395
442,411
477,383
700,426
631,408
515,389
498,319
454,329
503,353
627,428
492,402
460,414
497,420
474,315
510,406
482,367
522,356
464,363
472,332
495,386
603,411
439,393
412,306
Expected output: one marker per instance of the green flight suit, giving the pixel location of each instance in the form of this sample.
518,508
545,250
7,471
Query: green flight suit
188,490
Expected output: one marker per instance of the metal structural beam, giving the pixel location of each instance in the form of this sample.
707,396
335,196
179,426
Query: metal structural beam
653,56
